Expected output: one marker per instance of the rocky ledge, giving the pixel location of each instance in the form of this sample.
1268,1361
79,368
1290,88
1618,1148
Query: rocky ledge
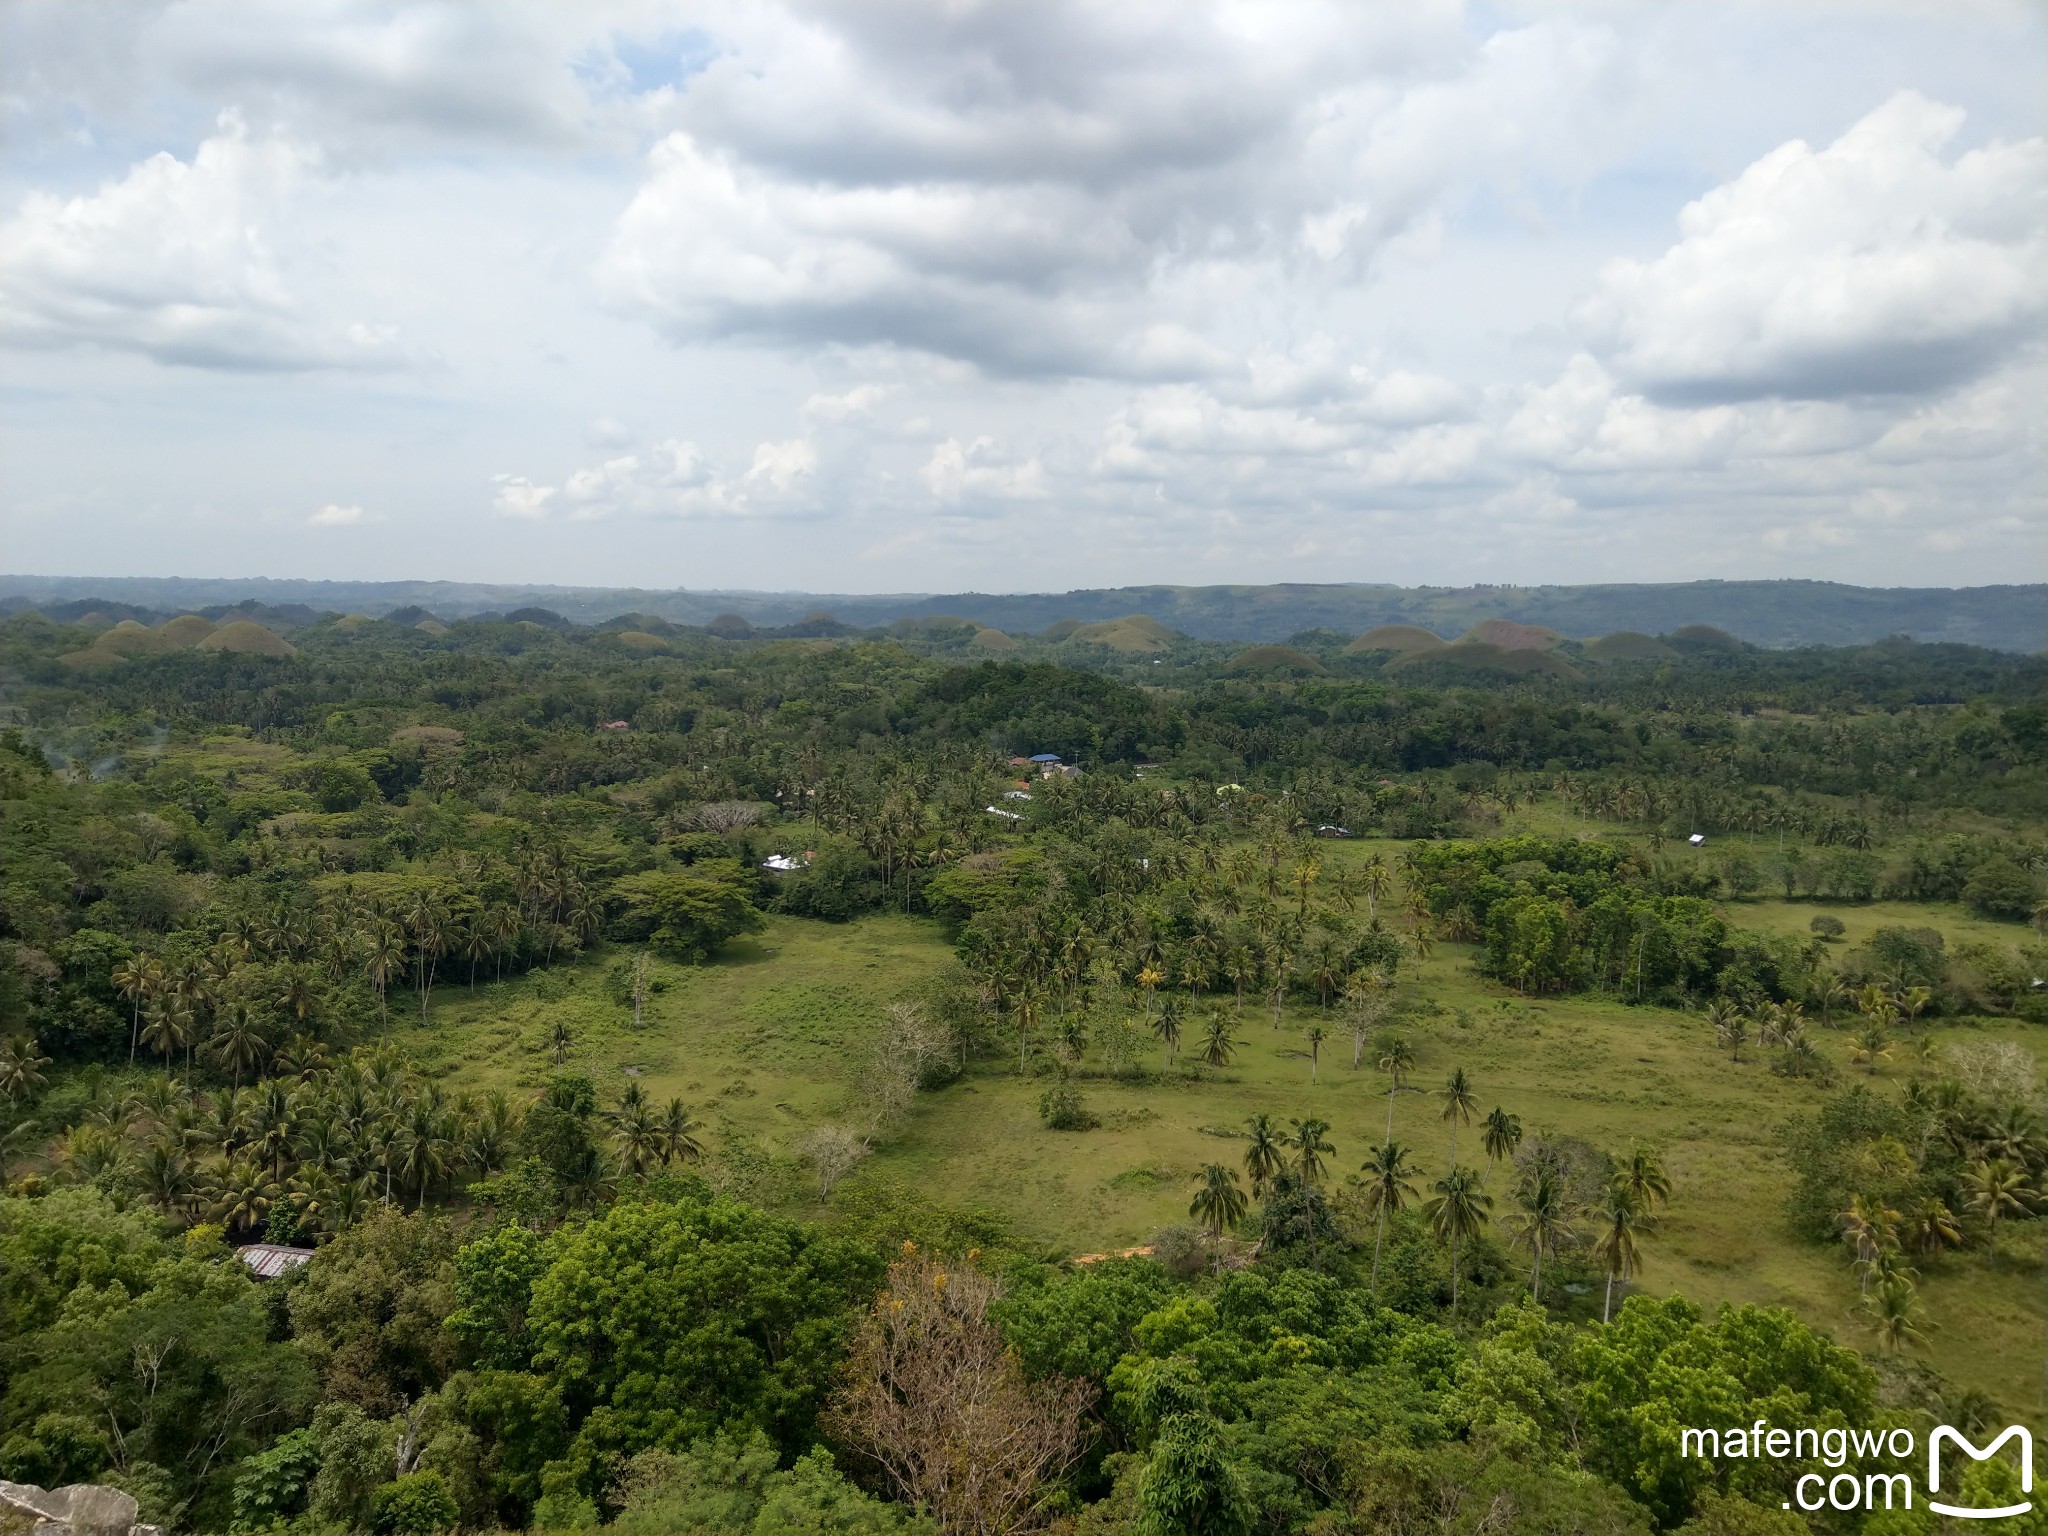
83,1509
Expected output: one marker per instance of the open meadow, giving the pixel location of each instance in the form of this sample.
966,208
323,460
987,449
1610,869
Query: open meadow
766,1039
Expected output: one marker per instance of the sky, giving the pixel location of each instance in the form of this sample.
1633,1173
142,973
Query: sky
1017,295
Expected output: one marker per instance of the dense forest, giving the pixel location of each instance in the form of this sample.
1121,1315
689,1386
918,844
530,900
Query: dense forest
236,877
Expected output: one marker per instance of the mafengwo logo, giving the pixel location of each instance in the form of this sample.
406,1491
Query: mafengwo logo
1863,1488
1963,1511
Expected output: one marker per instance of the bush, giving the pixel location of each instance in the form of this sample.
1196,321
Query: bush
2000,888
1828,926
1061,1109
418,1504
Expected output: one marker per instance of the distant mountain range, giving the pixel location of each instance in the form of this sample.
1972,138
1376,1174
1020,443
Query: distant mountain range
1767,613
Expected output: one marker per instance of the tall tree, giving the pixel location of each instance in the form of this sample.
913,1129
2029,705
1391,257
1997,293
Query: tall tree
1458,1212
1387,1193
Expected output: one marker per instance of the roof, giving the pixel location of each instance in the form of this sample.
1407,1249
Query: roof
1045,757
269,1260
783,863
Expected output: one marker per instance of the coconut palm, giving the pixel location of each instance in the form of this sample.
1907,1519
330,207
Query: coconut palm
638,1133
1218,1202
1397,1060
1458,1102
1996,1189
167,1178
1896,1315
1316,1036
1264,1159
1621,1217
1166,1025
243,1196
1546,1222
1870,1045
21,1069
679,1142
1387,1193
1217,1046
560,1039
1930,1227
1500,1134
1731,1027
1309,1150
1870,1228
382,945
135,979
1458,1212
1643,1172
237,1041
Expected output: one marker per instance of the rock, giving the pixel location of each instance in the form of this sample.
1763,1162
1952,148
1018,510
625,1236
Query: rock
83,1509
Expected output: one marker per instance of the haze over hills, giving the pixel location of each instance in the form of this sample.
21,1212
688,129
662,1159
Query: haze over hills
1767,613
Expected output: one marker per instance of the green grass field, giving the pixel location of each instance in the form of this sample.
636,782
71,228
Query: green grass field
764,1043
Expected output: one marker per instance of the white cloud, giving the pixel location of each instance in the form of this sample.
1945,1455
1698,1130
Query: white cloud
334,515
983,470
673,479
518,497
175,261
1873,266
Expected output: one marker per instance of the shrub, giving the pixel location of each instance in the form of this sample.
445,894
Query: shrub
418,1504
1061,1109
1999,888
1828,926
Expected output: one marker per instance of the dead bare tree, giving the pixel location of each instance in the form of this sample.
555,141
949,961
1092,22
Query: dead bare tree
934,1398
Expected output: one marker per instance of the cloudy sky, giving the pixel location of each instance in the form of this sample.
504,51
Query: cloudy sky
880,296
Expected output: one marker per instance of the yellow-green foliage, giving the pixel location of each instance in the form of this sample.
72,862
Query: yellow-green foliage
640,640
1478,656
992,640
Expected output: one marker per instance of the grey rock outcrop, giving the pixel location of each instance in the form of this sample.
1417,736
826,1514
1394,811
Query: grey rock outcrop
83,1509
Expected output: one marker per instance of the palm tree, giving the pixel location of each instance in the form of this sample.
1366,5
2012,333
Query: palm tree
1545,1224
1166,1025
560,1039
1218,1202
1895,1314
167,1026
1731,1026
1217,1046
1622,1216
1870,1045
243,1197
1458,1103
428,924
21,1069
1995,1189
679,1142
1931,1227
1310,1149
1457,1213
237,1041
383,950
1397,1060
638,1133
1500,1135
1645,1178
1375,880
1316,1036
1387,1192
134,978
1828,995
1264,1160
166,1177
1870,1228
